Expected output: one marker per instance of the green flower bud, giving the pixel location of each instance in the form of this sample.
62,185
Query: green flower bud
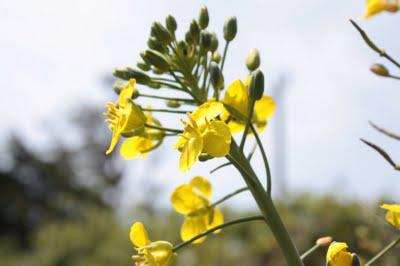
257,85
171,24
182,46
216,57
118,86
156,59
355,260
189,38
173,104
128,73
204,19
160,33
157,71
253,59
216,77
154,44
143,66
205,41
214,42
154,85
205,157
230,29
380,70
194,30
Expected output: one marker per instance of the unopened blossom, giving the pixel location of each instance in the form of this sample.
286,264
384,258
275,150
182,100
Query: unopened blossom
338,255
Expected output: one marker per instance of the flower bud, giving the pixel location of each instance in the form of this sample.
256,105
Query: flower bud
257,85
189,38
230,29
194,30
216,57
118,86
214,42
160,33
154,85
324,241
216,77
205,41
203,18
253,59
156,59
355,260
171,24
173,104
143,66
128,73
154,44
380,70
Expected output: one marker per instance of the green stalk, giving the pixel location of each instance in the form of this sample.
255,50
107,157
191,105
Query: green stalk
224,55
165,98
218,227
310,251
228,196
166,111
383,252
266,206
248,122
164,129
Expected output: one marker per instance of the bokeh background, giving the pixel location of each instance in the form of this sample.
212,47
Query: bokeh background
63,202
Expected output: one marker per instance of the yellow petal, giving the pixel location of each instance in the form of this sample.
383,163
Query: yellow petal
202,185
126,93
114,140
374,7
207,111
235,127
134,146
263,109
159,253
190,153
237,96
138,235
217,139
337,255
217,218
184,200
393,214
134,117
391,207
192,226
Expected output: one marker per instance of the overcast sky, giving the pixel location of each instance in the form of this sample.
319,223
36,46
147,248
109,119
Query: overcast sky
54,56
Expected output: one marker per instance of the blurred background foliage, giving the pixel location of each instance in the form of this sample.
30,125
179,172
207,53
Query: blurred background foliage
56,208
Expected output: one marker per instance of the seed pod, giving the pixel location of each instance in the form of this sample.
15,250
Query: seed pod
173,104
156,59
216,57
214,42
128,73
205,41
253,59
355,260
203,18
216,77
230,28
171,24
143,66
257,85
380,70
161,33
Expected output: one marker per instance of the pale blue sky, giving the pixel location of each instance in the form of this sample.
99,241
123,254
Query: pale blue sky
54,55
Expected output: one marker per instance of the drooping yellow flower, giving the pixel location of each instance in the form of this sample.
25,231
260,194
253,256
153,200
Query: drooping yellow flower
237,97
338,255
374,7
193,201
158,253
143,143
125,116
203,133
393,214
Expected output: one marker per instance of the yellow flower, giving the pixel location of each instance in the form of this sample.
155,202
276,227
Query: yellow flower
203,133
374,7
338,255
158,253
192,200
125,116
237,97
143,143
393,214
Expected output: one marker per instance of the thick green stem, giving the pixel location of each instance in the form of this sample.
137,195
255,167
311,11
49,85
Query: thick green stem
383,252
218,227
266,206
